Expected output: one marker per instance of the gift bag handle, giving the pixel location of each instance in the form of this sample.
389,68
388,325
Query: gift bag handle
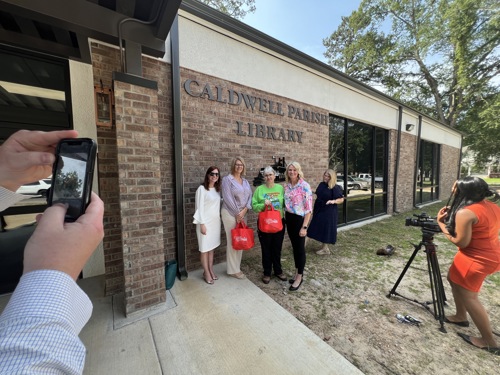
241,224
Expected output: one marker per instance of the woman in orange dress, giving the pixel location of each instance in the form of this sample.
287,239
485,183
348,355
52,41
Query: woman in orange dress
472,223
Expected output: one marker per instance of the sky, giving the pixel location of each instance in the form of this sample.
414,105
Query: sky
302,24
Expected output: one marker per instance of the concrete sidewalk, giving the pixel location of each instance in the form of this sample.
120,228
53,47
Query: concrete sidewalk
231,327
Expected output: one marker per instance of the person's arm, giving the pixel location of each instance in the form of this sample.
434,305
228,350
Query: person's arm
337,197
246,184
308,206
199,215
227,196
257,203
464,219
40,325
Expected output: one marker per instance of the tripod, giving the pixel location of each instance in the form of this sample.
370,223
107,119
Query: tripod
437,289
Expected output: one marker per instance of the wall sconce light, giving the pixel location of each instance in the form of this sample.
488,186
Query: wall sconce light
410,127
103,98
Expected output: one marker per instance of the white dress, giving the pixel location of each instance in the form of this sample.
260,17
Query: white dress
207,206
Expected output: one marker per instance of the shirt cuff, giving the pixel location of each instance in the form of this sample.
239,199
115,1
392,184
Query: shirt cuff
51,295
9,198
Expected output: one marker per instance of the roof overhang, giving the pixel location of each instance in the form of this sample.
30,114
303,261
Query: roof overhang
62,27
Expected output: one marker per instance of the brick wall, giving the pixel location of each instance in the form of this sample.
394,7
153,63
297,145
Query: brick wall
136,110
407,163
450,158
105,60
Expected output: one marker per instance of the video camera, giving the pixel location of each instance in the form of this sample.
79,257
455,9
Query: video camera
424,221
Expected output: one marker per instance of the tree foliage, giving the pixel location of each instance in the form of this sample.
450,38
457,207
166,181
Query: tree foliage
234,8
441,57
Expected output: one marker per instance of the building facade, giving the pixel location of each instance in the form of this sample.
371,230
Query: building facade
220,90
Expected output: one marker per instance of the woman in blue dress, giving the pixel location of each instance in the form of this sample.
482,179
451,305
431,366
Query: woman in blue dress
323,226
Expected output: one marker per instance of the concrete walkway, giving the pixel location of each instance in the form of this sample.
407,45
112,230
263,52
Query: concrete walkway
231,327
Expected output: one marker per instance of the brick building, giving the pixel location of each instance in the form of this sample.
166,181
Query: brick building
212,90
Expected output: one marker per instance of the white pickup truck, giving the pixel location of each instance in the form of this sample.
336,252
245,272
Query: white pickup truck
379,181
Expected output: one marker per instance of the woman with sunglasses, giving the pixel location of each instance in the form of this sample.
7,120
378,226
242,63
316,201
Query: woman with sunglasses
472,223
270,194
207,220
236,201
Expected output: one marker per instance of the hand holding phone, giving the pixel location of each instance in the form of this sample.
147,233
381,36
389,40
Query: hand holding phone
72,175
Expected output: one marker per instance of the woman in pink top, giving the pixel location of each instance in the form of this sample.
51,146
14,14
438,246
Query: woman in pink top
298,209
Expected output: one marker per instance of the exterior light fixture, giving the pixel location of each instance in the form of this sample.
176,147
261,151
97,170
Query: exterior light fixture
103,98
410,127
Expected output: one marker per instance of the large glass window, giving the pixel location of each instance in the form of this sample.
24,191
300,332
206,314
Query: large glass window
358,152
427,186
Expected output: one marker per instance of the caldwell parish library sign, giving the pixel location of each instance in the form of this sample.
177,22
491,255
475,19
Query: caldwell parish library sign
252,103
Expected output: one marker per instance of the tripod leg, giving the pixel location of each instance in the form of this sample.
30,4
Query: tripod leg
393,290
438,297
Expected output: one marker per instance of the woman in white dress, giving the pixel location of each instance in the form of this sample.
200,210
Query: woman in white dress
207,220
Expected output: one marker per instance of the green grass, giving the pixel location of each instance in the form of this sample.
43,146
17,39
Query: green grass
492,181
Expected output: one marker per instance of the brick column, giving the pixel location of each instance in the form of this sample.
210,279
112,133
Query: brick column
136,109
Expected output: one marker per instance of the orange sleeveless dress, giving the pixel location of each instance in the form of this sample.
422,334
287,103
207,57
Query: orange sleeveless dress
481,257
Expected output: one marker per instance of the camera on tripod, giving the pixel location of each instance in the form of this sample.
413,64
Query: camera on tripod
424,221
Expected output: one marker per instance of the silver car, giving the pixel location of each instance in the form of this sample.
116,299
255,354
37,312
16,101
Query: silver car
359,183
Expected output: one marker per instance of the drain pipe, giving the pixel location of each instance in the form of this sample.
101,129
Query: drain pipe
396,167
415,172
179,179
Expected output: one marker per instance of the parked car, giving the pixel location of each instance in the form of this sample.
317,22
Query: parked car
340,182
354,183
359,183
379,181
36,188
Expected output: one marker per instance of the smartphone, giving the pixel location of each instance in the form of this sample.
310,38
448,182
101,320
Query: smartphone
72,175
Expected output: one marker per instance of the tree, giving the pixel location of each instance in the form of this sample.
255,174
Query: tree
482,127
234,8
438,56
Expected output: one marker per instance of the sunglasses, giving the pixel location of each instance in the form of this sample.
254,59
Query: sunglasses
213,174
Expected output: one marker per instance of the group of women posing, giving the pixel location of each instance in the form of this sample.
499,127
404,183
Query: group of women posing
294,202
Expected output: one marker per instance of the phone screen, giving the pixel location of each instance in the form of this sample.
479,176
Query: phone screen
72,175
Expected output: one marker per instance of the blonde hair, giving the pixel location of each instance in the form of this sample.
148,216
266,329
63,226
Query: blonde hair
333,178
233,165
297,166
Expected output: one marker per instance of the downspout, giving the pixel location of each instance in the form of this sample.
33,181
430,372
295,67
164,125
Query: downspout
415,172
396,167
179,179
459,172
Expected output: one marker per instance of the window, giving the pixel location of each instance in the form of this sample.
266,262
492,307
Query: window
427,186
34,93
358,152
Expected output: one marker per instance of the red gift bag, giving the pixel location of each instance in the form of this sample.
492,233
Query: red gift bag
270,220
242,237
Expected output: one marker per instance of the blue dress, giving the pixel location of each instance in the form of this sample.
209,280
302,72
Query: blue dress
323,226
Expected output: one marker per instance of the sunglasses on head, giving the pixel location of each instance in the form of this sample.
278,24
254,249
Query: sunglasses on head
213,174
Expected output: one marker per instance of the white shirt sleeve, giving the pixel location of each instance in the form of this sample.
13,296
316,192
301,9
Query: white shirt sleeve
40,325
9,198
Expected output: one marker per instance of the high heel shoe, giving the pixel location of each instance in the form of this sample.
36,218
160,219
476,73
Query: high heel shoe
211,282
295,288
